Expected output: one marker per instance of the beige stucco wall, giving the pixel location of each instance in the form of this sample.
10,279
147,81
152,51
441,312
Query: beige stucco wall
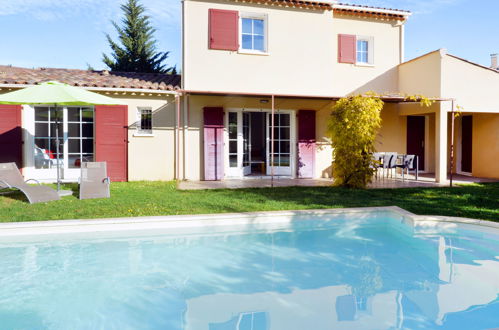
302,54
382,77
151,157
476,89
393,133
485,156
421,76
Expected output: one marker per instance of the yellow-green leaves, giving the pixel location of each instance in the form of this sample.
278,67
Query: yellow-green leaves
353,127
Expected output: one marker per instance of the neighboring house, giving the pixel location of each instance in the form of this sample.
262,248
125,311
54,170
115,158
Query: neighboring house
134,138
241,59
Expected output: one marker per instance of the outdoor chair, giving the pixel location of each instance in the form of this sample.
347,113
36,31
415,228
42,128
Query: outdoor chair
407,164
94,182
389,161
11,178
377,157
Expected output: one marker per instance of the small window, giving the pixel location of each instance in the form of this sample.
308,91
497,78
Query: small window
253,34
364,50
144,126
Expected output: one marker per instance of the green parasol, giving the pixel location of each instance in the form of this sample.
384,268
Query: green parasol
56,93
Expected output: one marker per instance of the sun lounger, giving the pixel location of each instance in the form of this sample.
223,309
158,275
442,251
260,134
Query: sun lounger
10,177
94,182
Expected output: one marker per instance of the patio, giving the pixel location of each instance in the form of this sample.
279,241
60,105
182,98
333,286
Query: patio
424,180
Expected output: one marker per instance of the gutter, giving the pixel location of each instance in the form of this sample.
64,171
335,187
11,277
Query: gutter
103,89
373,10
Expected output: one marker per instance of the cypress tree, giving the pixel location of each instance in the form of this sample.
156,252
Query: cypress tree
137,51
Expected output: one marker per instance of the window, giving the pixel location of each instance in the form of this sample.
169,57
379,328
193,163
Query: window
253,34
355,49
144,126
362,51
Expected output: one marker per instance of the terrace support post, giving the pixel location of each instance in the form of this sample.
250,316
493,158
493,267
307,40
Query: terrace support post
177,138
272,143
441,144
452,143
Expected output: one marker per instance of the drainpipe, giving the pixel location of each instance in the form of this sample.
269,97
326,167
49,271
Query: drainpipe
272,144
452,143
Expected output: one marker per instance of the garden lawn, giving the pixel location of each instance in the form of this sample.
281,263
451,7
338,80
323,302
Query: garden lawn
129,199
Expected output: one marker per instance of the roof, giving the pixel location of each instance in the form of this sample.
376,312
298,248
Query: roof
345,8
380,12
10,75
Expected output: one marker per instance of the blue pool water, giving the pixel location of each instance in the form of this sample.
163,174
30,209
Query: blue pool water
337,272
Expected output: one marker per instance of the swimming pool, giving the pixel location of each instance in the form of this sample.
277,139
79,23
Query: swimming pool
358,269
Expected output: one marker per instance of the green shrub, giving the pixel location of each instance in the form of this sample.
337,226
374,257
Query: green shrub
353,126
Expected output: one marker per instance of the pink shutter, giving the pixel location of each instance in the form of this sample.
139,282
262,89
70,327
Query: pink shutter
111,139
11,144
306,144
213,143
347,47
223,29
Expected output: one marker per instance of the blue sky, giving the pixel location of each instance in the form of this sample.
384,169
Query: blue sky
71,33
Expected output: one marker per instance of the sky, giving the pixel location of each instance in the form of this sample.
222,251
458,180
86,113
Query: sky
71,33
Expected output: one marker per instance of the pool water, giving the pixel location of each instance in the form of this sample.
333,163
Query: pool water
366,271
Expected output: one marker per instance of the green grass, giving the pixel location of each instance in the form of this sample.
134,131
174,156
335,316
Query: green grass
162,198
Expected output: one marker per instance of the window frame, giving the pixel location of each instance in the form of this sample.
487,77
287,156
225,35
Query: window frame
140,131
257,16
370,50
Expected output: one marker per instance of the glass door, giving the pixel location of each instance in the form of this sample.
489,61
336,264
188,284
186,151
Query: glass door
282,160
76,141
246,137
238,144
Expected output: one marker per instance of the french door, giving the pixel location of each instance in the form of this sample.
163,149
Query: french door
74,127
283,152
238,143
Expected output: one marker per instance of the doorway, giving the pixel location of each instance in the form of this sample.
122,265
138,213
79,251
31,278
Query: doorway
416,138
466,144
248,150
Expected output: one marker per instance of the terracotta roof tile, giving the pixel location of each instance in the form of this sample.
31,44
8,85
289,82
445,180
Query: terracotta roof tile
86,78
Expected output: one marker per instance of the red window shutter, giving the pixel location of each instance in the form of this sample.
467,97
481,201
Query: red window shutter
347,47
223,29
213,143
11,144
306,144
111,139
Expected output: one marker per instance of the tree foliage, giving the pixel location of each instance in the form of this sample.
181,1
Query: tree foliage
353,126
136,50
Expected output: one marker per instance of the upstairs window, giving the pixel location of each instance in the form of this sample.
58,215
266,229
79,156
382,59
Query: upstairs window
355,49
253,33
144,126
362,51
365,50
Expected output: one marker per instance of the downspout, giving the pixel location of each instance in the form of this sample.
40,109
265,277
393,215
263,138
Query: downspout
401,41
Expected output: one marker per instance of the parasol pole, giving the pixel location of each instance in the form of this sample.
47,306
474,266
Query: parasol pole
57,146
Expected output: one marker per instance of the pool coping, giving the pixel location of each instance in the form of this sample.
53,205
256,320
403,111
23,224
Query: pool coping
10,229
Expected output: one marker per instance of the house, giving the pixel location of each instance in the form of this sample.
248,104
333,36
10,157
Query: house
133,138
243,61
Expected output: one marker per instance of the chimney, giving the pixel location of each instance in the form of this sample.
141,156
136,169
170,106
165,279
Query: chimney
493,61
